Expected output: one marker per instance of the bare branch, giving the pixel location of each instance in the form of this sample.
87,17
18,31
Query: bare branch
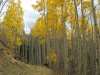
3,6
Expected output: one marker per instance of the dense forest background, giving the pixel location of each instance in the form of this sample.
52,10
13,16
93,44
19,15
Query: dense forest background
65,36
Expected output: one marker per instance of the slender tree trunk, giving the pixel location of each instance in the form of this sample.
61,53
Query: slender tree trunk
78,38
39,51
96,39
84,55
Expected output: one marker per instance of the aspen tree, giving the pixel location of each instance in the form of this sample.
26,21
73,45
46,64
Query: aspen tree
96,38
78,39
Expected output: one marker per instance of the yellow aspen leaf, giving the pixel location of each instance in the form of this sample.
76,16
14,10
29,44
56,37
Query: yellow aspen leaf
42,41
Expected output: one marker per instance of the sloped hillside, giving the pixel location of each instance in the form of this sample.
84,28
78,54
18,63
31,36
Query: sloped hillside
10,66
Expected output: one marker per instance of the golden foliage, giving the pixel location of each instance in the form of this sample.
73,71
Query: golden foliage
69,59
18,43
42,41
53,57
13,22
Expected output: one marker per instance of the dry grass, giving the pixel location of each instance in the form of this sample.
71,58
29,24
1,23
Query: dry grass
10,66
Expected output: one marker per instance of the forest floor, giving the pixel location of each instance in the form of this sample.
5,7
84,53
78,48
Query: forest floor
10,66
